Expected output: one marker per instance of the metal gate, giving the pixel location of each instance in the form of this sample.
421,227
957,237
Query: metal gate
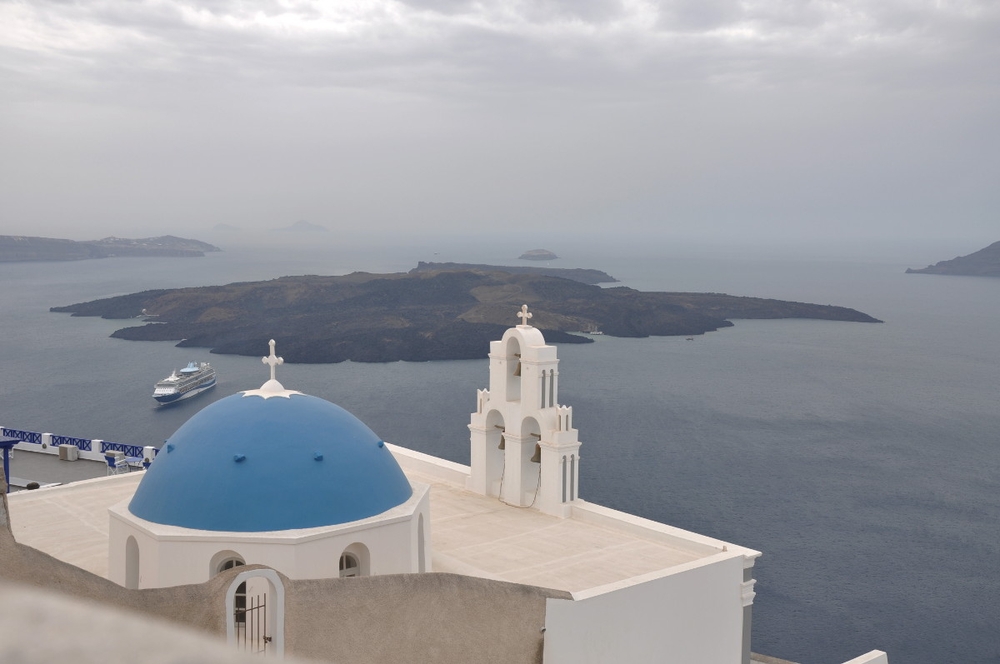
250,621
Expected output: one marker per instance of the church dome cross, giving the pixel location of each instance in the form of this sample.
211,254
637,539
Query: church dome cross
272,359
271,388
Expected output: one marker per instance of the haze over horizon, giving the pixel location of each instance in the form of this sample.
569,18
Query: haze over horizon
755,121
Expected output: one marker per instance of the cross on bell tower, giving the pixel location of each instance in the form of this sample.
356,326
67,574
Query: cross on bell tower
524,315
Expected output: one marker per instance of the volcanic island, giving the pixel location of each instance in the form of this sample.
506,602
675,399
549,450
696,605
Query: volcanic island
433,312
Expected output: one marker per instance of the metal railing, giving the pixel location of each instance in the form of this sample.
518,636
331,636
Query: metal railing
127,450
23,436
82,443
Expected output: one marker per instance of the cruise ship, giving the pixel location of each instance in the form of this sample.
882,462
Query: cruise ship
193,379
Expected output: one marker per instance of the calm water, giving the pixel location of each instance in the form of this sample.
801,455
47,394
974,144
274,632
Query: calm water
863,460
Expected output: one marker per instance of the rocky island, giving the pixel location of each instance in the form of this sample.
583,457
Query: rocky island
18,248
983,263
583,275
421,315
538,255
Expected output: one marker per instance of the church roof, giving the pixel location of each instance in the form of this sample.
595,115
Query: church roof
270,459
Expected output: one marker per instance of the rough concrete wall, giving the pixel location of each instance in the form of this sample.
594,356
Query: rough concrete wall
6,534
39,627
201,607
441,618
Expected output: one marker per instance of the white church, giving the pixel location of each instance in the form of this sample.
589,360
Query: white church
274,495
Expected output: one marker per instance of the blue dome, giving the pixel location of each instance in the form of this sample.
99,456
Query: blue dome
250,464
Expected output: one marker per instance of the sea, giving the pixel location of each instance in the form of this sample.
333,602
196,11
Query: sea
862,460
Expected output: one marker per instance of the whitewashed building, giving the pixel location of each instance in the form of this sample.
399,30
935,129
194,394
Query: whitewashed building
281,479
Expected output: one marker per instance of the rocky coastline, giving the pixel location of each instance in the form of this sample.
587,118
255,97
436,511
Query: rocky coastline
982,263
20,248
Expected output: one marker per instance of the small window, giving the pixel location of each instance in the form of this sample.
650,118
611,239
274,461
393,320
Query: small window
349,566
230,563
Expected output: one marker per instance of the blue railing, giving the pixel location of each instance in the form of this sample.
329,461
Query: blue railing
82,443
23,436
127,450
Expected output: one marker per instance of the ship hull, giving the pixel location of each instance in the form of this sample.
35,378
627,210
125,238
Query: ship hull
164,399
174,388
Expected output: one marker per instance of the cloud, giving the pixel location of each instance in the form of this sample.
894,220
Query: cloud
388,41
561,110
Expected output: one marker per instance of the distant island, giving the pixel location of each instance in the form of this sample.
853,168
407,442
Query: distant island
19,248
538,255
303,226
421,315
583,275
983,263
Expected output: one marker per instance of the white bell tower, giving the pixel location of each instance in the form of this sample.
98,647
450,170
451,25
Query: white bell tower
525,450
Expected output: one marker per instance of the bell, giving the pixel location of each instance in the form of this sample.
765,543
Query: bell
502,445
537,456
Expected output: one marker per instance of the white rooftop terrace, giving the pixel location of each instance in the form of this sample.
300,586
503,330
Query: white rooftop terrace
470,534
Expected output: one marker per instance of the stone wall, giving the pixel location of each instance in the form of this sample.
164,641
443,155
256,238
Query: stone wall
416,618
443,618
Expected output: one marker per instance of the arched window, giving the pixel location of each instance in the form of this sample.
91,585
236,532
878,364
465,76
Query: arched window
230,563
223,560
349,565
131,563
572,477
564,478
421,558
355,561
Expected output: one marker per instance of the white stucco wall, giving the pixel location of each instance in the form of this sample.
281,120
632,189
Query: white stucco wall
171,556
440,469
692,615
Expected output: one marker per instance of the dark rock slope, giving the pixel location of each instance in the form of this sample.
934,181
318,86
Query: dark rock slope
432,315
983,263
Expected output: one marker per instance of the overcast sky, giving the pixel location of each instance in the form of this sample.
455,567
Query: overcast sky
743,118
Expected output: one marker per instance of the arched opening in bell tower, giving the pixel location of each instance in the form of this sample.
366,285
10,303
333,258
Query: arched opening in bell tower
531,466
512,355
494,453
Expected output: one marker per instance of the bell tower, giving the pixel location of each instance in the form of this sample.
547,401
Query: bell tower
525,450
